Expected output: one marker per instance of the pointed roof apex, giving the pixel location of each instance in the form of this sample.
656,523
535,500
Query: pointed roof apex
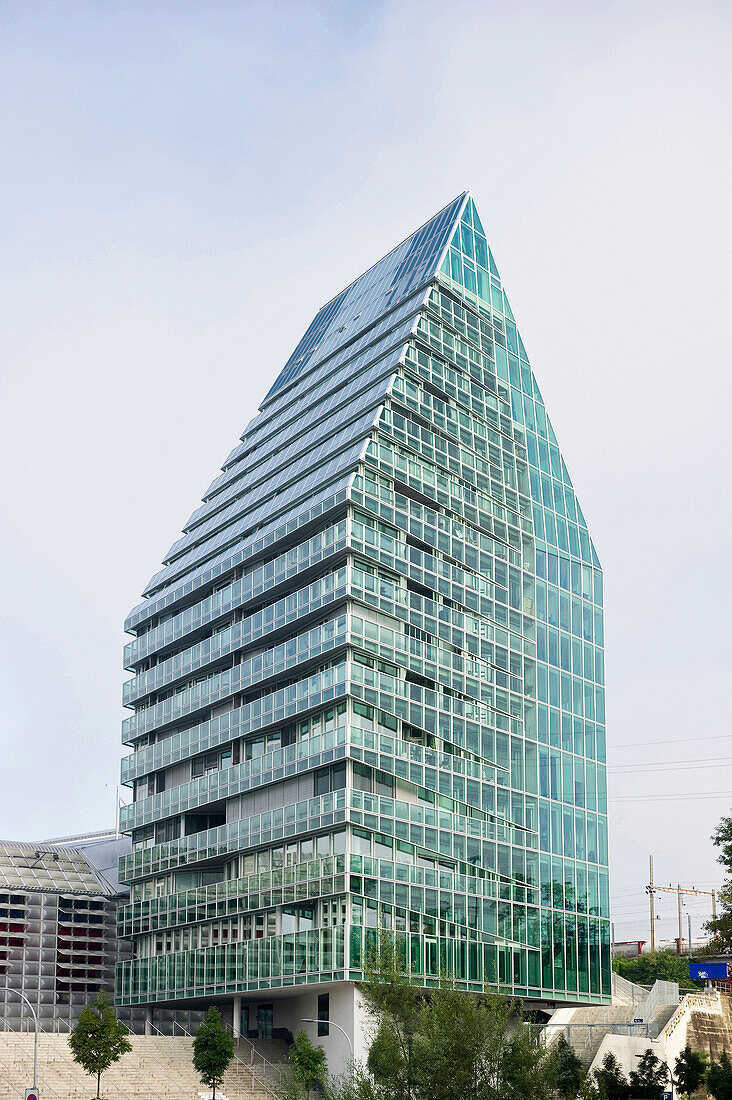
396,276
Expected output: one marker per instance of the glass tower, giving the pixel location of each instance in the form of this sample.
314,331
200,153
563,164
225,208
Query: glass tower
367,684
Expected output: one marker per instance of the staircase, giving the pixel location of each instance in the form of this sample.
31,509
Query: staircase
156,1067
635,1011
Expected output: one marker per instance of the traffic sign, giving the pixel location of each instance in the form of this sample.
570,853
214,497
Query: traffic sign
32,1094
667,1096
710,972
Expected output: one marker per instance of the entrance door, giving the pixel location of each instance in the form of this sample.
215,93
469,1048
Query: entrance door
265,1016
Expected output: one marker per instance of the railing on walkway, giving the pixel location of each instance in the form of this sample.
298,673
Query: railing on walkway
142,1085
267,1066
47,1089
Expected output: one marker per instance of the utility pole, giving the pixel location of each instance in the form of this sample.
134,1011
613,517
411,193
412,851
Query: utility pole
650,891
679,890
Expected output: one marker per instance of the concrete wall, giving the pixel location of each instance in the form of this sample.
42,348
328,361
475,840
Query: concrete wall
627,1049
703,1020
345,1009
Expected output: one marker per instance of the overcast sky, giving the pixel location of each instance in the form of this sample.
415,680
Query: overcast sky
184,184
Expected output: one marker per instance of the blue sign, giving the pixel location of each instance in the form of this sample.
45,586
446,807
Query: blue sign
667,1096
710,972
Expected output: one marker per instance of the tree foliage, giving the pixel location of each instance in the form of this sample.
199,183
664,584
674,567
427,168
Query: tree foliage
689,1071
721,928
99,1039
648,1080
213,1049
610,1079
476,1048
393,1004
719,1078
653,966
308,1068
564,1069
445,1044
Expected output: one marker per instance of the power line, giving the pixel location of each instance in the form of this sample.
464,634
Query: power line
669,797
670,741
710,762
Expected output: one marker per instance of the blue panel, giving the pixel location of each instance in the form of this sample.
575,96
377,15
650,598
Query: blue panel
711,972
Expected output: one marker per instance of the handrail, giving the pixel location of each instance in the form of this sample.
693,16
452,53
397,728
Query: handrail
134,1077
264,1084
245,1039
46,1087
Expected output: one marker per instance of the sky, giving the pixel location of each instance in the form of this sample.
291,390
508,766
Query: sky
185,184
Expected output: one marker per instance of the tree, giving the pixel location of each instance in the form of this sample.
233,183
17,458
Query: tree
446,1043
477,1048
689,1070
307,1065
719,1078
721,928
393,1003
213,1049
610,1080
653,966
564,1068
99,1039
648,1080
354,1084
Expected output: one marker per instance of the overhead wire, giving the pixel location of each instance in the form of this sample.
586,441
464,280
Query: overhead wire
668,798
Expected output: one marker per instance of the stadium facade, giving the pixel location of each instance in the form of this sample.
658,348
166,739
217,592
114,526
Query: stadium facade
58,942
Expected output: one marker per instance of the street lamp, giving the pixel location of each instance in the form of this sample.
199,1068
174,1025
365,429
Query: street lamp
9,989
331,1023
671,1081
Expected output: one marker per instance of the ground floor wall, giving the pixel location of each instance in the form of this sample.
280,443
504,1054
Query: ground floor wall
283,1015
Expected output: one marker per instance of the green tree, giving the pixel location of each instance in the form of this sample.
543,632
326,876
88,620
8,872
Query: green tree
477,1048
308,1067
653,966
648,1079
721,928
393,1004
355,1084
446,1043
99,1039
719,1078
564,1069
610,1079
213,1049
689,1071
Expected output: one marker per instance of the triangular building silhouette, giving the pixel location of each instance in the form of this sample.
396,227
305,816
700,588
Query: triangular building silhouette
367,686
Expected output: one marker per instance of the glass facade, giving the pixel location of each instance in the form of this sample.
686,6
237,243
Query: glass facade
368,683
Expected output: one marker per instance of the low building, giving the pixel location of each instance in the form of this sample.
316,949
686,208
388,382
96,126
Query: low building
628,949
58,941
59,902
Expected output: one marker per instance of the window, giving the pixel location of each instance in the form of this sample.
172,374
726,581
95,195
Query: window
328,779
333,911
361,842
323,1014
361,777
